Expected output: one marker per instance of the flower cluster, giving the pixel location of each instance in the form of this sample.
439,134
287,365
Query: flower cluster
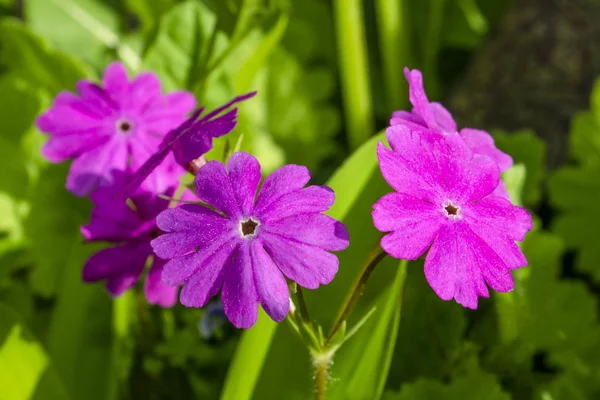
130,144
449,200
111,132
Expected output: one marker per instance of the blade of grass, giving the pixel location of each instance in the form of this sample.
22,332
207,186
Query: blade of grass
354,70
432,47
392,23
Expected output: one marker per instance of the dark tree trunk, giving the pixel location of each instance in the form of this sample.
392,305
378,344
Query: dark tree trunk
536,71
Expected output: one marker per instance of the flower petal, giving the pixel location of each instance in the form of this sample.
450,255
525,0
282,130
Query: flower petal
443,118
155,290
307,265
418,98
120,266
186,228
213,186
95,168
405,117
500,215
116,82
481,142
206,260
239,296
312,199
414,223
318,230
436,169
271,286
284,180
144,89
244,173
460,262
499,223
210,271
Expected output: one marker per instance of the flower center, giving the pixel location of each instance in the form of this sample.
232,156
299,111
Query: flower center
124,126
451,210
248,227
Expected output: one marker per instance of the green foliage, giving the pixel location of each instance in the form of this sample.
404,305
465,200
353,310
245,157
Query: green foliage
574,188
472,384
81,28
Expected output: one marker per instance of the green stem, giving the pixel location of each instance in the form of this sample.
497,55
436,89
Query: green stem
395,52
374,258
354,70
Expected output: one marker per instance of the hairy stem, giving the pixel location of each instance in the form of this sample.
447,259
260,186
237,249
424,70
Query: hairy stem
321,361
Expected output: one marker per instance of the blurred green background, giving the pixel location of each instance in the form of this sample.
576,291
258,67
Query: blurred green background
329,74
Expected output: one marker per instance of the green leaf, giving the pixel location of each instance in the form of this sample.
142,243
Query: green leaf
180,50
527,149
22,363
431,333
29,57
573,191
149,11
25,367
362,364
81,28
18,111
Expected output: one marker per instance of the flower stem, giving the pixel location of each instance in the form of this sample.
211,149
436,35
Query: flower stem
374,258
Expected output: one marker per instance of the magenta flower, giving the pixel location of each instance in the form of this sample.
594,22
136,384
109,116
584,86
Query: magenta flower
245,248
131,230
113,128
436,118
443,201
190,141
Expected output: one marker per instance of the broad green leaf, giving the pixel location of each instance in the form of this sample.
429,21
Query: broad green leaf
527,149
22,363
474,384
27,56
248,360
180,50
79,338
81,28
431,333
25,367
573,192
362,364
